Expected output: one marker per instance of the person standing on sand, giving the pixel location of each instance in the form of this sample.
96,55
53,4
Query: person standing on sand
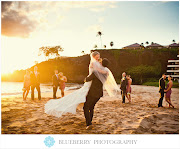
62,81
123,86
128,91
69,103
55,80
168,91
161,89
94,94
35,83
27,84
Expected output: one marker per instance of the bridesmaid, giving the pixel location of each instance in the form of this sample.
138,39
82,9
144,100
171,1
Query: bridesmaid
62,79
169,91
128,90
27,84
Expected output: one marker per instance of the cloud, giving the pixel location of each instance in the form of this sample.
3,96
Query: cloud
14,22
21,19
157,3
90,5
18,27
101,19
165,1
97,9
94,28
5,6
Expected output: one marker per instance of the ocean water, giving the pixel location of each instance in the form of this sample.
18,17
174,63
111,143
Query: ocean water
15,88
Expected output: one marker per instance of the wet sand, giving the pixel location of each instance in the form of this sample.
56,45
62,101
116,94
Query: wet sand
142,116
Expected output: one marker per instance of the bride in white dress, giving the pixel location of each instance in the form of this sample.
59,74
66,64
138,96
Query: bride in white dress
69,103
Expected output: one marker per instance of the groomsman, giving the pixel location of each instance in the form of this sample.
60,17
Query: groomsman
55,80
161,89
123,86
35,83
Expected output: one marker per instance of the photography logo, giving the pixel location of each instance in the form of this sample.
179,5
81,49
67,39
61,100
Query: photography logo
49,141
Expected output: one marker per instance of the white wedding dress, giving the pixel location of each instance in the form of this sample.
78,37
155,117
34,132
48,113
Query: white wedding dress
69,103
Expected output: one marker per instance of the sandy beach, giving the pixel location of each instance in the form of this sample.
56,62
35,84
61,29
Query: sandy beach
142,116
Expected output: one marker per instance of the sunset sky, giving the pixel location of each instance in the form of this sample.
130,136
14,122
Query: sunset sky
26,26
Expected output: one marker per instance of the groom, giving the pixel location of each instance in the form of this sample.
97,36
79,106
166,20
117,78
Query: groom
93,96
161,89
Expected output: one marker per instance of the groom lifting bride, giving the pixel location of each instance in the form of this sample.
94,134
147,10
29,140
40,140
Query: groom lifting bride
99,77
94,94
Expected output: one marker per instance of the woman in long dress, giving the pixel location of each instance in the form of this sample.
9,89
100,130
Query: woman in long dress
70,102
62,84
26,86
128,90
169,91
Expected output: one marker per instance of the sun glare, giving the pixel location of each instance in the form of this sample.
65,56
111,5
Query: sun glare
16,53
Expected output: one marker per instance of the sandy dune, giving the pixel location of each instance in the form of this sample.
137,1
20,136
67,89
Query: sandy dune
111,116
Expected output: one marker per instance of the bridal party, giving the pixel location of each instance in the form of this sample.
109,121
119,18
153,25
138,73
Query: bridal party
90,67
32,82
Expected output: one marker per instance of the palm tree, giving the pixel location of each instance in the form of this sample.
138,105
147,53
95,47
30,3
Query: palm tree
142,45
95,46
99,33
82,52
111,44
147,42
173,41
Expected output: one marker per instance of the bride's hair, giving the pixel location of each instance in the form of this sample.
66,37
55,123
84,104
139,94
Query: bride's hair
100,60
95,53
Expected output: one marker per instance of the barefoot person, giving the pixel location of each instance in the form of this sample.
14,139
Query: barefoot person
161,89
62,80
93,96
55,79
123,86
35,83
128,91
168,91
27,84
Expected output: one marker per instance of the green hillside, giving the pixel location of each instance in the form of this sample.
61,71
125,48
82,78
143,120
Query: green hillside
142,65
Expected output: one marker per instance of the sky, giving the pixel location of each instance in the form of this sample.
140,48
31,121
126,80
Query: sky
26,26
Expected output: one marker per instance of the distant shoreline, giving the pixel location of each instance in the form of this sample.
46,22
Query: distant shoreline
148,83
15,88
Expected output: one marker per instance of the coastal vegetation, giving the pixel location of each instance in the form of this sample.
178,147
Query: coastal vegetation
142,64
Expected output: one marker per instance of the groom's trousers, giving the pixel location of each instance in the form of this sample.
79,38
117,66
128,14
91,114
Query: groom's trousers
89,108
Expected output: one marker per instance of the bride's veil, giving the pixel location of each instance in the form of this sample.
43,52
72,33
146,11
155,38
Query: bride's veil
69,103
105,76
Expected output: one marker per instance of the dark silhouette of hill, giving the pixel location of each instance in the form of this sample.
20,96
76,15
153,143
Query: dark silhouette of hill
140,64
